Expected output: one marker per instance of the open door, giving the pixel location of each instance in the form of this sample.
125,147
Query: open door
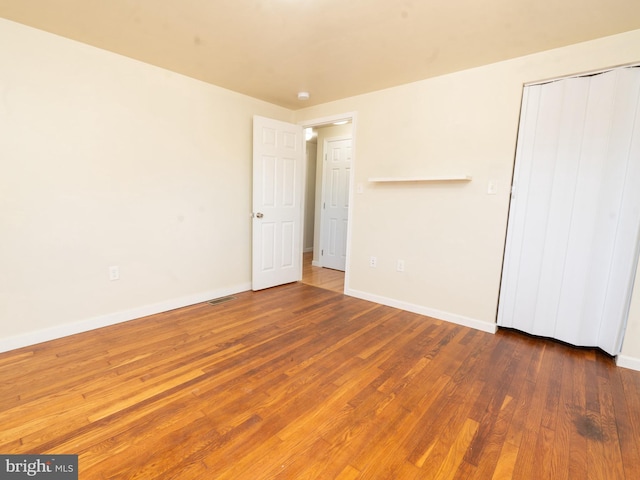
277,203
335,202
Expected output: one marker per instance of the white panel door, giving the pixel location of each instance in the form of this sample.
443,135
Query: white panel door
277,205
572,240
335,203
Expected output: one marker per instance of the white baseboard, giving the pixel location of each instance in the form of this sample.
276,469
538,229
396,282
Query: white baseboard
628,362
315,263
39,336
488,327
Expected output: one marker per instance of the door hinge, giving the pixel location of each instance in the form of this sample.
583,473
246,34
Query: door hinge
322,253
324,206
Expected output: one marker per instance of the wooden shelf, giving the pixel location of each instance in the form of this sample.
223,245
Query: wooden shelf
448,178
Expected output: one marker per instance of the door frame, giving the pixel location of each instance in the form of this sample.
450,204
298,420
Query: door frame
323,122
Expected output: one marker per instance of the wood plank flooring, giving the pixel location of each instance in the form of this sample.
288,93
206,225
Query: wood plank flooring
298,382
321,277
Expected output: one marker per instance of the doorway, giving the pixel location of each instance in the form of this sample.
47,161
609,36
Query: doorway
319,133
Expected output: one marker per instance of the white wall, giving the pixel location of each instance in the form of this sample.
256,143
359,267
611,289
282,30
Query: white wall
108,161
630,356
451,236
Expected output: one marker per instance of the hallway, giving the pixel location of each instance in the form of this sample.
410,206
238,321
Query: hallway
321,277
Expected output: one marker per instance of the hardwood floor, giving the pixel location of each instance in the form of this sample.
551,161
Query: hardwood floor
299,382
321,277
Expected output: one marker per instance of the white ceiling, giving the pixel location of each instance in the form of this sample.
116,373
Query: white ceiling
271,49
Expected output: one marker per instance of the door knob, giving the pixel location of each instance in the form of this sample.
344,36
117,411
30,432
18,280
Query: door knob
259,215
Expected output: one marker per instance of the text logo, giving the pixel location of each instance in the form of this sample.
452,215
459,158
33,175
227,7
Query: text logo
45,467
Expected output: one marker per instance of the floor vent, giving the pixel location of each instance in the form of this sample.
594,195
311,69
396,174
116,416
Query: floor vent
218,301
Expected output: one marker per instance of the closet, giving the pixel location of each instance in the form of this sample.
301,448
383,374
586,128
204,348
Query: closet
574,219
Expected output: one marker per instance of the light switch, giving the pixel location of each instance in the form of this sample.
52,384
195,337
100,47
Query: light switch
492,188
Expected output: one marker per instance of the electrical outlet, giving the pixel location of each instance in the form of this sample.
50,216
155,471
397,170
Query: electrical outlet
400,265
114,273
373,262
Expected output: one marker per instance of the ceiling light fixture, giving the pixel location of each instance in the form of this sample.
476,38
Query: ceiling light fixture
303,95
308,133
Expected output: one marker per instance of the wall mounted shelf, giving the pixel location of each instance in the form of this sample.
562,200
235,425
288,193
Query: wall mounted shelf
445,178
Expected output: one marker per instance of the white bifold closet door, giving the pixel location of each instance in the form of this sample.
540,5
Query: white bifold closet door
574,220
